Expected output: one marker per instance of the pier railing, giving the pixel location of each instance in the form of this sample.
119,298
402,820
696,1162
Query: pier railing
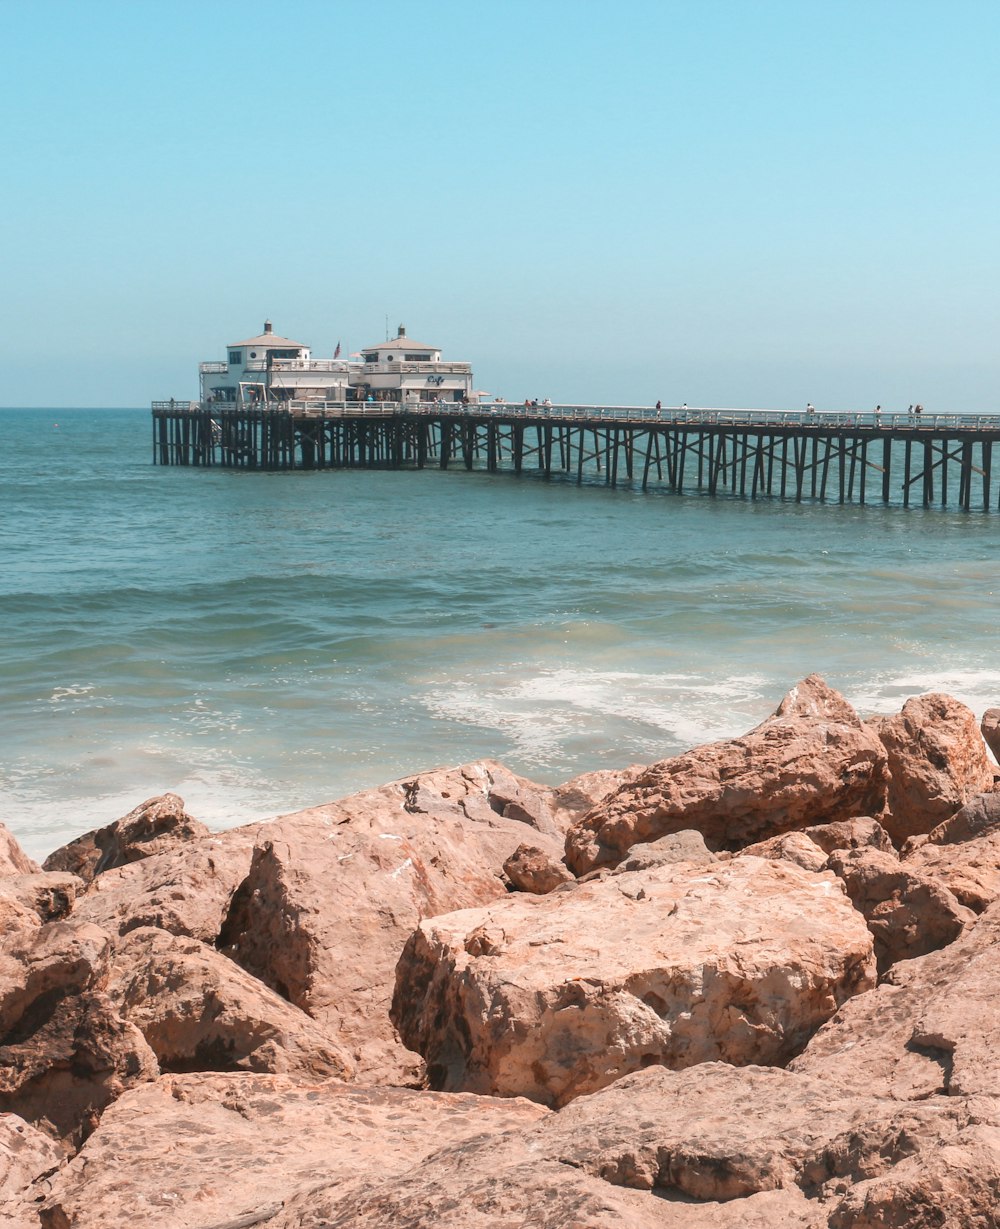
841,456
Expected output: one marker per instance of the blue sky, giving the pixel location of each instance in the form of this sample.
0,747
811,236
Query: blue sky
711,202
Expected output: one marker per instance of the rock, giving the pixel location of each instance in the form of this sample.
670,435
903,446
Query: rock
79,857
531,869
552,997
334,892
711,1147
989,727
858,833
686,846
25,1155
794,847
186,890
954,1184
13,859
573,799
64,1050
930,1028
979,817
907,912
211,1150
969,870
937,762
201,1012
50,894
15,916
812,762
155,826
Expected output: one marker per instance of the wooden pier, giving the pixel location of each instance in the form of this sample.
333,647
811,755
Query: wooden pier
908,459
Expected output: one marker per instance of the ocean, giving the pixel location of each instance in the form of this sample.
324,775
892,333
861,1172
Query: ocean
263,642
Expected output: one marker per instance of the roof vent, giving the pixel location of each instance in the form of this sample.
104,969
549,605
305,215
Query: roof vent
267,326
402,331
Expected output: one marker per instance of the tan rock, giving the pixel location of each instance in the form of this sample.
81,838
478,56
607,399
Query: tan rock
335,891
711,1147
970,870
686,846
14,915
211,1150
812,762
13,859
201,1012
908,913
65,1052
531,869
573,799
930,1028
979,817
990,729
155,826
555,996
794,847
858,833
937,762
187,890
25,1155
49,894
955,1183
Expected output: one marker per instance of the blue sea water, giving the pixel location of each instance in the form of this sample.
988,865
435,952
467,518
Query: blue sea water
262,642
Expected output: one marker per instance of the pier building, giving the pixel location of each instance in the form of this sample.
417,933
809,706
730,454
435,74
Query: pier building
272,370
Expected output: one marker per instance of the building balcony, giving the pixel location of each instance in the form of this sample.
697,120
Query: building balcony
436,369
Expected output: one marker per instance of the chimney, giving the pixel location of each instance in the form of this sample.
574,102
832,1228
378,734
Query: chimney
267,326
402,331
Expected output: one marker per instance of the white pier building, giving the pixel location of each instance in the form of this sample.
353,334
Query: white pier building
272,369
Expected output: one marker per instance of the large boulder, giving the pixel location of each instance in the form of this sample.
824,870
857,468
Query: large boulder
937,762
989,727
711,1147
551,997
953,1183
908,912
812,762
26,1155
155,826
187,890
929,1028
65,1051
49,894
334,892
13,859
201,1012
215,1150
963,853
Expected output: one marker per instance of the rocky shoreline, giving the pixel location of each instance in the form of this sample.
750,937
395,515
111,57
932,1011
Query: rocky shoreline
751,985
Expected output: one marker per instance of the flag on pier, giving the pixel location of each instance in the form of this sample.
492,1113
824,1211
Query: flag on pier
336,353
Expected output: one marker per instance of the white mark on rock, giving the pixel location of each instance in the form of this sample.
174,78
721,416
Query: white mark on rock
399,869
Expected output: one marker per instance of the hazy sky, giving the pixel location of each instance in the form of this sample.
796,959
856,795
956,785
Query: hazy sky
710,201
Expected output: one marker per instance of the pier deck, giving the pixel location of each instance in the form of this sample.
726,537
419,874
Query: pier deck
924,460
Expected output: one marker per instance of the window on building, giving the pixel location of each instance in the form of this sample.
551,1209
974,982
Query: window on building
371,358
417,358
236,357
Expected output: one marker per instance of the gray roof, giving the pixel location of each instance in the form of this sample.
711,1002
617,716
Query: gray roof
400,343
271,341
